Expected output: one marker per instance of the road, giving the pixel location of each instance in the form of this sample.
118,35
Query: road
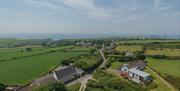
103,58
84,79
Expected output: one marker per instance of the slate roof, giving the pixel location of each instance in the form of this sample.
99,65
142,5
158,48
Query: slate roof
139,64
65,72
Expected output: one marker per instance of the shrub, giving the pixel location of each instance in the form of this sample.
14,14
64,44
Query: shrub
175,81
159,56
2,87
28,49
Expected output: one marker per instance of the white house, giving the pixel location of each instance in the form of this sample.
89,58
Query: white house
138,75
135,74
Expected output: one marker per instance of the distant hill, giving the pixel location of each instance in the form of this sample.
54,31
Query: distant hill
14,42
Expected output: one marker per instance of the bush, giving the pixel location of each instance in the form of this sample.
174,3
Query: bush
2,87
159,56
57,87
65,62
175,81
28,49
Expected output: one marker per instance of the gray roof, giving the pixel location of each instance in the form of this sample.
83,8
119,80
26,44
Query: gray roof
138,72
140,64
62,73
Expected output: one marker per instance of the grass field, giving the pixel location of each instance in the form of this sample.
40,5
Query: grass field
160,85
170,67
10,53
165,51
23,70
116,64
79,48
128,48
148,41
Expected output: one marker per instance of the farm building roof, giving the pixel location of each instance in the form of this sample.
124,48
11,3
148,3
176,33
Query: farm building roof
65,72
138,72
140,64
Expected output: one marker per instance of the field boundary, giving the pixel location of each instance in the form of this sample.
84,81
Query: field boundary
51,51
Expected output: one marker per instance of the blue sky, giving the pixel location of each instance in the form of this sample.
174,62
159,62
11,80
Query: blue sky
91,16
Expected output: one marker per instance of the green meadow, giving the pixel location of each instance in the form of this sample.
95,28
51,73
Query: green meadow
164,51
168,69
23,70
128,48
14,53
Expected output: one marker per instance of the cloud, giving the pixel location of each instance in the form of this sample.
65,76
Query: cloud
93,9
84,7
176,13
160,8
157,3
88,7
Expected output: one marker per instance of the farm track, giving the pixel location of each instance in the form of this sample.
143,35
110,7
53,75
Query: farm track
164,81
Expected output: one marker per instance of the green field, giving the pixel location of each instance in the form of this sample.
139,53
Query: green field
165,51
79,48
13,53
14,42
23,70
148,41
116,64
170,67
128,48
160,85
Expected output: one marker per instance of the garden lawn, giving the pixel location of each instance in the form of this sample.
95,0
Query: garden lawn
116,64
128,48
23,70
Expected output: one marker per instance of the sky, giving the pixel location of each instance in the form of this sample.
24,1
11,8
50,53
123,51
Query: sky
90,16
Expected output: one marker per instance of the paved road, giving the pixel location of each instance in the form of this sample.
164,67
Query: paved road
84,79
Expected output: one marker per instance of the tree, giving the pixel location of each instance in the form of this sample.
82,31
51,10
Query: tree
65,62
2,87
28,49
58,87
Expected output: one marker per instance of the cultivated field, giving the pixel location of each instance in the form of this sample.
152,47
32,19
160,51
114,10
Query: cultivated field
148,41
23,70
128,48
164,51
